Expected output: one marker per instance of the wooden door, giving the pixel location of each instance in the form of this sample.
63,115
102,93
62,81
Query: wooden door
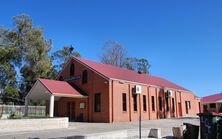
179,109
71,111
68,114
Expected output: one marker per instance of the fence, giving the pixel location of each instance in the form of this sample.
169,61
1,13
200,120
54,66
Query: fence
20,110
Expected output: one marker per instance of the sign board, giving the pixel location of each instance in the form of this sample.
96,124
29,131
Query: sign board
82,105
73,78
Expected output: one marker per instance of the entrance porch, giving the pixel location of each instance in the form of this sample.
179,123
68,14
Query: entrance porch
62,99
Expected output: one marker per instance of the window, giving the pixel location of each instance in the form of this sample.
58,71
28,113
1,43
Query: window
160,104
153,103
189,104
84,76
173,107
167,104
124,101
135,102
212,105
72,70
97,105
144,102
61,78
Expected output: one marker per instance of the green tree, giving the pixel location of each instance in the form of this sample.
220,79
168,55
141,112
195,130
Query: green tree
7,70
9,56
10,94
137,64
60,57
25,49
33,49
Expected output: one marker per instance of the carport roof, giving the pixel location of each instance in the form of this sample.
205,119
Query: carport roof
59,87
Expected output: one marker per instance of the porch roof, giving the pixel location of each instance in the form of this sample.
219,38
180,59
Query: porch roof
44,87
59,87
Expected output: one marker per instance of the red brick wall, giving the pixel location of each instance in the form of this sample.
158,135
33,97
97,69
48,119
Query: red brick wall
111,99
194,104
62,107
120,87
95,84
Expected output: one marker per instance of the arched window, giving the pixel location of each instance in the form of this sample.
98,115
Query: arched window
72,70
84,76
61,78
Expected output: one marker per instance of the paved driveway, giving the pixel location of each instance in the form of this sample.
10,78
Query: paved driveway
79,129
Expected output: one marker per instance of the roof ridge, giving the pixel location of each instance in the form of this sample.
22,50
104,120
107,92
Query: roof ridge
121,68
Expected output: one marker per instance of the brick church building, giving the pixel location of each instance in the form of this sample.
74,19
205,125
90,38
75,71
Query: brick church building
94,92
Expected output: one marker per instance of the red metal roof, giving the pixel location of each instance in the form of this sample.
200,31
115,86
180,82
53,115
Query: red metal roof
128,75
59,87
212,98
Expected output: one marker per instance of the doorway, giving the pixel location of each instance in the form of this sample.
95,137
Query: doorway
205,109
71,110
179,109
186,105
199,107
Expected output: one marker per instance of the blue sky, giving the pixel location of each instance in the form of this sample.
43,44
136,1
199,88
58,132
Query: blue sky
181,38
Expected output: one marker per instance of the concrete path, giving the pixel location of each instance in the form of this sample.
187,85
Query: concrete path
80,129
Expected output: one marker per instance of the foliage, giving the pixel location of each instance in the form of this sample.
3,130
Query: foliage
60,57
137,64
24,48
8,56
34,52
10,94
24,57
115,54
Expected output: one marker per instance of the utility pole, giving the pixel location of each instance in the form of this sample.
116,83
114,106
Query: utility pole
137,92
140,116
